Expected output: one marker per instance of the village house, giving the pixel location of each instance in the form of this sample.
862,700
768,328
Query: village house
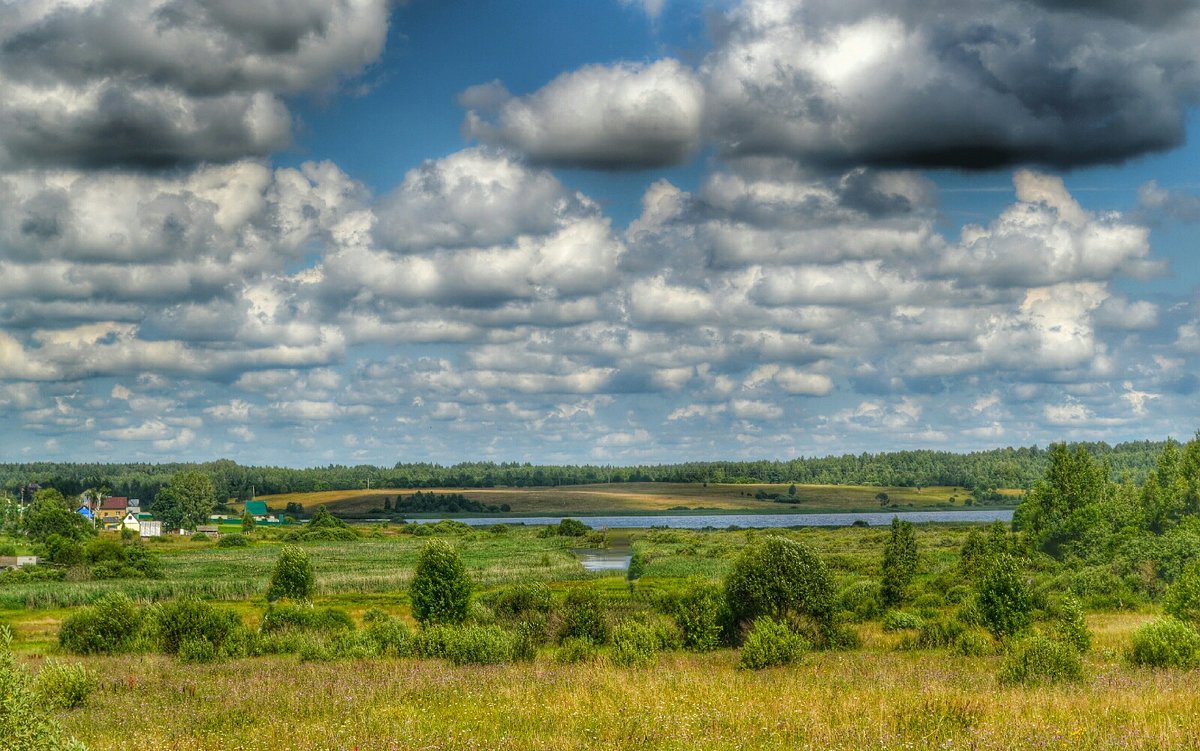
112,512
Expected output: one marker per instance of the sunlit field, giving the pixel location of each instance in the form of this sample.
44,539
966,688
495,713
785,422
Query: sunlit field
651,497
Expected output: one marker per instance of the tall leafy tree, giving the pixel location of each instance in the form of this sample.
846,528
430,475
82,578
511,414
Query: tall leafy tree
186,501
899,562
1067,505
441,589
50,514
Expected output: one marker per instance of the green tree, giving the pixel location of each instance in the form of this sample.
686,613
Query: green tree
248,523
1183,598
186,501
293,575
1065,508
779,577
51,514
899,562
440,590
1005,603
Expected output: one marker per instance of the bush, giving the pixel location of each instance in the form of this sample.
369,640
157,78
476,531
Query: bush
572,528
391,636
637,566
521,599
777,577
197,649
634,644
860,600
64,686
898,620
64,551
939,633
432,641
233,540
770,643
293,575
972,644
144,561
702,616
1005,603
25,721
479,645
1183,598
100,549
574,650
440,589
1070,626
8,549
304,617
1036,659
1166,643
959,594
584,617
190,620
111,626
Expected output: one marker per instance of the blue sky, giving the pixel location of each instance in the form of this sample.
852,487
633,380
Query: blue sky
302,232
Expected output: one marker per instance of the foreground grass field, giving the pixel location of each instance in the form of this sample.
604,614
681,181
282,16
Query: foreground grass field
649,498
870,699
881,695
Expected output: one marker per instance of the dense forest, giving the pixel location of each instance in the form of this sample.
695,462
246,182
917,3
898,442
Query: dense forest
981,472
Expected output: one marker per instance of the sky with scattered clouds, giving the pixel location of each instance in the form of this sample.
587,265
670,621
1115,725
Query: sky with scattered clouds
303,232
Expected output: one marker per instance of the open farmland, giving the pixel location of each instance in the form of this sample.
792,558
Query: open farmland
647,498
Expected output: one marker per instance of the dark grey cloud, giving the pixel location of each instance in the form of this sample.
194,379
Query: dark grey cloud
153,83
975,85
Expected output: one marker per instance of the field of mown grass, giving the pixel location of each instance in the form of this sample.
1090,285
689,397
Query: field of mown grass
646,498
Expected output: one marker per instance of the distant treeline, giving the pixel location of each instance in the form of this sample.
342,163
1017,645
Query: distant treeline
451,503
980,471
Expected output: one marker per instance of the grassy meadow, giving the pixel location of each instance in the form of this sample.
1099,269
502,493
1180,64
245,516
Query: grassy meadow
647,497
885,694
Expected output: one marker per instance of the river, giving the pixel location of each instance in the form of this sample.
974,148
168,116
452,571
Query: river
721,521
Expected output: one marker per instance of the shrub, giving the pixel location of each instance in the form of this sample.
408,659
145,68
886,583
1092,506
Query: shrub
1036,659
293,575
637,566
526,637
521,599
702,615
770,643
353,645
233,540
440,589
478,645
64,551
197,649
25,721
1166,643
584,617
1070,626
899,562
634,644
972,644
1004,600
101,549
8,549
860,600
432,641
572,528
304,617
144,561
111,626
190,620
938,634
776,577
199,537
959,594
574,650
898,620
1183,598
391,636
64,686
